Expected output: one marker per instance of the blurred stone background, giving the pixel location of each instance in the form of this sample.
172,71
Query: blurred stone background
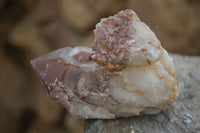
31,28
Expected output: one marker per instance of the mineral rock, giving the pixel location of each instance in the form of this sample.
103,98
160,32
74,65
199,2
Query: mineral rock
126,72
183,116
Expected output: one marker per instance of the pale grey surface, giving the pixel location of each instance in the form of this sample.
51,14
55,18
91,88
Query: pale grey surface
183,116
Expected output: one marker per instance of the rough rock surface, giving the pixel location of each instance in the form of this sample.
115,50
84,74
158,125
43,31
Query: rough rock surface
175,22
183,116
126,73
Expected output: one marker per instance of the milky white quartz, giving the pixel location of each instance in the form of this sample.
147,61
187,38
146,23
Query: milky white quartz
126,72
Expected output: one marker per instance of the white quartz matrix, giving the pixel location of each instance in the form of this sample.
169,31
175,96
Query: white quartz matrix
125,72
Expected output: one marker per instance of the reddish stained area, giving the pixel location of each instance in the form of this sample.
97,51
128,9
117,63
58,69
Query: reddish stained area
50,70
112,35
83,93
52,73
82,56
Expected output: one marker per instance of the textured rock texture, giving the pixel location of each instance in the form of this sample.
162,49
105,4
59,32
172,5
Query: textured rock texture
30,28
126,73
183,116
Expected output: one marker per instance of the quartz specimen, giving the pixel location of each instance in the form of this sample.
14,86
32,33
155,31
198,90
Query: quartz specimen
125,72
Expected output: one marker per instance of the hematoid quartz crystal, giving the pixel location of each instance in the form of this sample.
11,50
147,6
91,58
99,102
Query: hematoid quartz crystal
125,72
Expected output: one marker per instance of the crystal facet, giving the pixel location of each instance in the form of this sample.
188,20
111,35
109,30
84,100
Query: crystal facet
126,72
